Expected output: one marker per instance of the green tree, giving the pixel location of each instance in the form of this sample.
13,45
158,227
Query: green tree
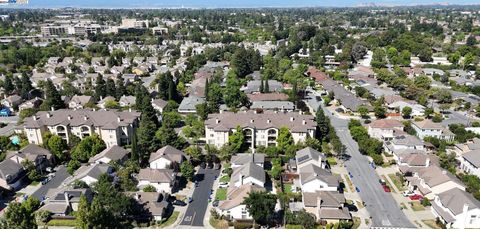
100,88
363,111
8,86
57,146
237,141
323,123
167,136
187,170
53,97
81,216
379,111
261,206
111,89
26,86
149,188
406,112
146,140
87,148
284,139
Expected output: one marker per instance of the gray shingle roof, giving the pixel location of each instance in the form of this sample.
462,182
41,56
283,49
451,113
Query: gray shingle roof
254,86
113,153
168,152
313,172
454,199
245,158
273,105
156,175
266,120
307,154
248,170
189,103
473,157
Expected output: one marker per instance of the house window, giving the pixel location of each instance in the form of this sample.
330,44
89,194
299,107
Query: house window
472,219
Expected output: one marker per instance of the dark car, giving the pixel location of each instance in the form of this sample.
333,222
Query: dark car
179,203
215,203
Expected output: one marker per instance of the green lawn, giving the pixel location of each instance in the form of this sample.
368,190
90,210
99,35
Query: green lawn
35,183
356,222
331,161
397,182
61,222
287,188
221,194
417,206
170,220
225,179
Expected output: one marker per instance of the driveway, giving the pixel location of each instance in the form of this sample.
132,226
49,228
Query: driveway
60,175
197,208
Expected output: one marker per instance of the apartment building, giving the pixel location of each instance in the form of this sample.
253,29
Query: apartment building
261,129
113,127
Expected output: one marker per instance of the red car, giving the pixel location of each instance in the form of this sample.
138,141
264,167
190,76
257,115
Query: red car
386,188
416,197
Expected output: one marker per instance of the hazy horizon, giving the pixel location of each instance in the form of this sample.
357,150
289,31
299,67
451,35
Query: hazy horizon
223,4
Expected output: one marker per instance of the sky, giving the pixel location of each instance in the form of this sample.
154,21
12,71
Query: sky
225,3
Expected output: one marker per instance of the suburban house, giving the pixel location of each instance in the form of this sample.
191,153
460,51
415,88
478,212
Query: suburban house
404,141
30,104
12,102
233,208
411,160
164,180
261,129
470,162
159,105
189,104
155,203
113,127
65,201
384,129
113,153
11,174
105,101
249,173
89,173
327,206
79,101
246,158
313,178
41,158
457,209
164,157
254,86
310,156
417,109
432,180
462,148
427,128
127,101
273,105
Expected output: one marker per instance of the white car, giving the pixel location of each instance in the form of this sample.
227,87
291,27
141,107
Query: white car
408,193
223,185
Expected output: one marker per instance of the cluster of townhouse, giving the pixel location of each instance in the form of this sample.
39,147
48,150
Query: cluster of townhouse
322,195
415,160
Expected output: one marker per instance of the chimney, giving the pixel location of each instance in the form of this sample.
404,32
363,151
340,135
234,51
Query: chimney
35,117
300,112
269,121
251,120
49,115
85,118
241,179
74,108
444,172
130,109
304,122
69,117
94,109
52,109
254,111
137,196
118,119
291,119
427,162
217,121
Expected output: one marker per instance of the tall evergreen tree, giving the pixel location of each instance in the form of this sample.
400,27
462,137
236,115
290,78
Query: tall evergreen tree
207,88
172,90
100,88
53,99
81,216
8,86
26,86
121,89
323,124
111,89
18,84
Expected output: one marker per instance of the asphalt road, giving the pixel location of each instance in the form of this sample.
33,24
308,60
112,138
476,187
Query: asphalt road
197,208
383,209
60,175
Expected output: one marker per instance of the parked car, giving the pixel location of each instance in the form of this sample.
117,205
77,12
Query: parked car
179,203
416,197
408,193
215,203
190,199
386,188
357,189
223,185
382,182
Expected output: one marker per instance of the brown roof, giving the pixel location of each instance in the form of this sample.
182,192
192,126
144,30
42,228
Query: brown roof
428,124
268,97
434,175
385,123
268,119
236,196
316,74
